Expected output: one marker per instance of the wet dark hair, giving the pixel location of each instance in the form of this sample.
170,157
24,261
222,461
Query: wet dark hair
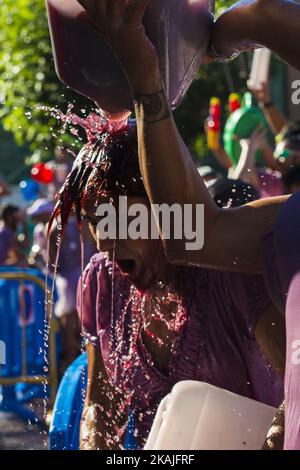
232,193
291,133
7,211
109,166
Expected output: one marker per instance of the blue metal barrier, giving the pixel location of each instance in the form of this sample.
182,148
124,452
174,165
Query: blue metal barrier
67,411
30,351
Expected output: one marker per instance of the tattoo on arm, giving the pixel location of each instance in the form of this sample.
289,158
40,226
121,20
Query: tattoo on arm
153,108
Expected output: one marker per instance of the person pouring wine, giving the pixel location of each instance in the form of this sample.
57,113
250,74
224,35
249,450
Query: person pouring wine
259,237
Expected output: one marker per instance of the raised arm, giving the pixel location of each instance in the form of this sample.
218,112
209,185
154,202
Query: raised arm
245,169
232,237
274,117
270,23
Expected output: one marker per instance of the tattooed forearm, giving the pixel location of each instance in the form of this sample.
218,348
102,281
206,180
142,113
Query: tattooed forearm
153,108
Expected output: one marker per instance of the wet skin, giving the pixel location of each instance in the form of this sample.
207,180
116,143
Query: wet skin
142,261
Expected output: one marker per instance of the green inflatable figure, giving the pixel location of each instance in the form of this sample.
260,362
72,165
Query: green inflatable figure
240,125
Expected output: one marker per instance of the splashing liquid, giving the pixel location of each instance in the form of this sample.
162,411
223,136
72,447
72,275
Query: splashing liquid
93,124
143,337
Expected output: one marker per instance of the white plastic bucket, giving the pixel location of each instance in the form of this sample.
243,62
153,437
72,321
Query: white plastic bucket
199,416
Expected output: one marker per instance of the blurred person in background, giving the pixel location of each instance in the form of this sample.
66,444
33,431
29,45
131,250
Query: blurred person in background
269,180
4,187
266,180
274,117
43,257
69,269
14,240
287,151
40,213
281,162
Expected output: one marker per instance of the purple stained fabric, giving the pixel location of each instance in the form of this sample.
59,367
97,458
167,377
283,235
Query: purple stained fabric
282,261
6,238
214,342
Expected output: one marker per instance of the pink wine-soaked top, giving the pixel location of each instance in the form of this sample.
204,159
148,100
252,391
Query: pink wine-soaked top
213,316
282,274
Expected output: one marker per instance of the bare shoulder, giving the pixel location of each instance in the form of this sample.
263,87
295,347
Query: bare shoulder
234,238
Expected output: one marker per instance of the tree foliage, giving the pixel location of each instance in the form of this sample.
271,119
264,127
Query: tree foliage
28,79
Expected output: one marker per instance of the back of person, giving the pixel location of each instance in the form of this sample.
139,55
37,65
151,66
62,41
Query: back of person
70,254
6,241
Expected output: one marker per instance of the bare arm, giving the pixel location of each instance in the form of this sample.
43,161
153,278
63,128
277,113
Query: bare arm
245,168
232,237
222,157
271,23
231,242
274,117
102,416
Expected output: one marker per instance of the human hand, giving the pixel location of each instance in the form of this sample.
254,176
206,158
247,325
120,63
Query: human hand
261,93
119,23
255,141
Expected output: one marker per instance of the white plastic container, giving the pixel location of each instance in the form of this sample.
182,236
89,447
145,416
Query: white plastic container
260,68
199,416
